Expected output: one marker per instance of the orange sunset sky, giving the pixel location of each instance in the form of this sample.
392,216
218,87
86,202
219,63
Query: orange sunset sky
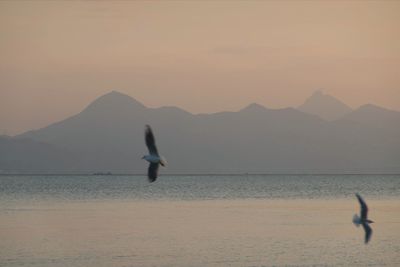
57,56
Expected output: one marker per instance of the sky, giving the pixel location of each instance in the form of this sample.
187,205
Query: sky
58,56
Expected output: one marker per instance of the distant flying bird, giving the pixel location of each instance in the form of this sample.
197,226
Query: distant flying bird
363,219
154,158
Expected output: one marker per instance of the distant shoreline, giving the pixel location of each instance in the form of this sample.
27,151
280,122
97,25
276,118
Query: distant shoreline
191,174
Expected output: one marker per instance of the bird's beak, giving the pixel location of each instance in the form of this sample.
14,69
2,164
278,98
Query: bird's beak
143,157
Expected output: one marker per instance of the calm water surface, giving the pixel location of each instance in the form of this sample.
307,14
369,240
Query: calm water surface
17,188
250,220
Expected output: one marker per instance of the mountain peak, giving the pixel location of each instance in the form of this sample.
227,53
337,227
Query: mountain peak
318,93
253,107
375,116
117,96
325,106
372,107
114,100
371,110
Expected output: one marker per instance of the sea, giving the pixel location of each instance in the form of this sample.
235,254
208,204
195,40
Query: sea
197,220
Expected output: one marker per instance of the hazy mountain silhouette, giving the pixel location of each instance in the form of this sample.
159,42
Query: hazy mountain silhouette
374,116
108,136
29,155
325,106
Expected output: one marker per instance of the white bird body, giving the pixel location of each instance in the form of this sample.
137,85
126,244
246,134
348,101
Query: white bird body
356,220
152,158
155,159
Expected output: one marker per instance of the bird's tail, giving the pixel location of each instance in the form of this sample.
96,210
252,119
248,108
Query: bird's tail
356,220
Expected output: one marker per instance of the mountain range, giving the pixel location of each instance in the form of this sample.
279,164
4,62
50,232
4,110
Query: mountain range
321,136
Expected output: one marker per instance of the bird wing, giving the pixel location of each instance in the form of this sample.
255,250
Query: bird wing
368,232
152,172
150,141
364,208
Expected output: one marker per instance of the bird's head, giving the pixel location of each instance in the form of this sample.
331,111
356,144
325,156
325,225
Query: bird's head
163,161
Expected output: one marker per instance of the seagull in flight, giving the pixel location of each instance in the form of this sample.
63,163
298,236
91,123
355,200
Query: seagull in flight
363,219
154,158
